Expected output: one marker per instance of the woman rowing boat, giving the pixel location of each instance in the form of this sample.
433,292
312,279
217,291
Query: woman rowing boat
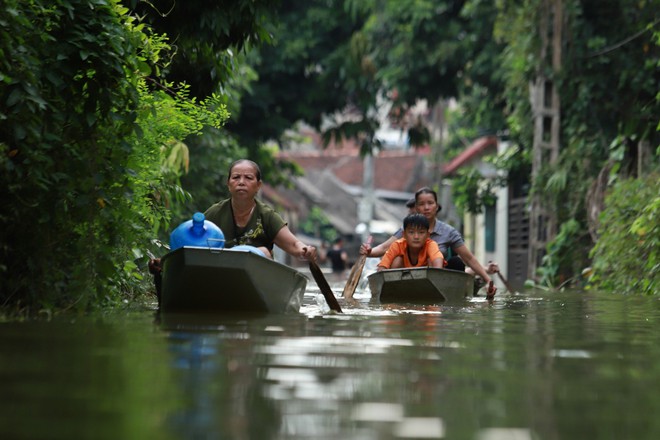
449,240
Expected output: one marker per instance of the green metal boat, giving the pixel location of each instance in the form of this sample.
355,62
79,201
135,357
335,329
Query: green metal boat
223,280
421,284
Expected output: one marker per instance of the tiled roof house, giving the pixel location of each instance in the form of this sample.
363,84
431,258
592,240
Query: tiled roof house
334,181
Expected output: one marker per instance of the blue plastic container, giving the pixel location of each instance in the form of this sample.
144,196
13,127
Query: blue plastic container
248,248
197,232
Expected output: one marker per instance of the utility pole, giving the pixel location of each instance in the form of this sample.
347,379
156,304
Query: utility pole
368,200
546,108
437,137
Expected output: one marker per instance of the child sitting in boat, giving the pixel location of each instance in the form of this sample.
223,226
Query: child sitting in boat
415,249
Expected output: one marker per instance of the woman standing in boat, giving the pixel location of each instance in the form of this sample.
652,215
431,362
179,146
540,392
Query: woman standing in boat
447,237
244,220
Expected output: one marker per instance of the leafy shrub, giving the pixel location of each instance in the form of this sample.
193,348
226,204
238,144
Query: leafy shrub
83,141
626,257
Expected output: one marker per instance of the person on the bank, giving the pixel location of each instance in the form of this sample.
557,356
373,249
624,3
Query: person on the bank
410,204
415,249
245,220
449,240
337,256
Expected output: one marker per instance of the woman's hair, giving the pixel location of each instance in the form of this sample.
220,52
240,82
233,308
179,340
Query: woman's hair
239,161
427,190
416,221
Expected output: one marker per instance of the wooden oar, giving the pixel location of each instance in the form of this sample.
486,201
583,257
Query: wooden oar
355,274
317,273
506,283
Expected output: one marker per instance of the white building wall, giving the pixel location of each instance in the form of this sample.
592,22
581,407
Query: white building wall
474,227
501,254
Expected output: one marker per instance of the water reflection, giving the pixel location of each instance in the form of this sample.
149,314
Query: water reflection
530,366
220,377
488,370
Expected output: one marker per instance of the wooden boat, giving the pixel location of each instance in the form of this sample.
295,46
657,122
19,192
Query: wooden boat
421,284
219,280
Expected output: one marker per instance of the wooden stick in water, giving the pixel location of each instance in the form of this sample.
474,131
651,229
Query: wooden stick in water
506,283
354,276
317,273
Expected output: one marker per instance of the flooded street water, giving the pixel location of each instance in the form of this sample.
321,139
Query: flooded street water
533,365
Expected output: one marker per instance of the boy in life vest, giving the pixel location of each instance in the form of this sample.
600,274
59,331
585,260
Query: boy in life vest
415,248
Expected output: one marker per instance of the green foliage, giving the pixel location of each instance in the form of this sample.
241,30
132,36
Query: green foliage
217,52
82,139
626,257
471,192
165,117
267,88
211,155
361,87
70,99
607,87
417,47
317,225
561,261
209,36
311,70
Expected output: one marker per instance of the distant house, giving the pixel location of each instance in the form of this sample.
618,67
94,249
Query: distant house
333,181
500,233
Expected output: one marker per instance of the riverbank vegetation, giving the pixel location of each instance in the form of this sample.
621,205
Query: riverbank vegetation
90,150
107,104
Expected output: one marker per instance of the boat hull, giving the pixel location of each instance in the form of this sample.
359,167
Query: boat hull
218,280
422,284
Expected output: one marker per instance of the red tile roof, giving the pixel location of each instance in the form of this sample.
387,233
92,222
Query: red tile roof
394,170
477,149
272,195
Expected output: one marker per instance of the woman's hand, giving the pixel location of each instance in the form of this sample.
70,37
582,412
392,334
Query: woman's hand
308,252
492,268
155,266
491,291
365,249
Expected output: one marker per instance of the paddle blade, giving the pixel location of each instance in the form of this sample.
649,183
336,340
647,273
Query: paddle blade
356,273
317,273
506,283
354,277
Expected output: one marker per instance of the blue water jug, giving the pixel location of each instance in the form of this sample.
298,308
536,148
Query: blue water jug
245,247
197,232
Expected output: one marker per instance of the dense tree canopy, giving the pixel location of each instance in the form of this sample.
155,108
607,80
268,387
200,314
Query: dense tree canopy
208,36
301,75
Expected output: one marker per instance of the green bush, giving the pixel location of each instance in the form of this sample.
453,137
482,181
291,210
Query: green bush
626,257
89,153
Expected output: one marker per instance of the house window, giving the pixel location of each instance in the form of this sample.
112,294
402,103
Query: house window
490,228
